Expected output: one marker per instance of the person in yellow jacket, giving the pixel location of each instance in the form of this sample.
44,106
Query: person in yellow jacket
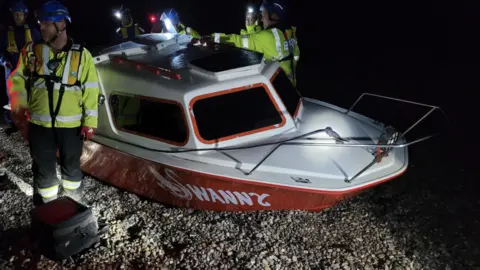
170,20
56,82
277,42
252,25
129,28
11,43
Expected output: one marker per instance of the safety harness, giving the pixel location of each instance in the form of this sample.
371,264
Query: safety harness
12,44
70,77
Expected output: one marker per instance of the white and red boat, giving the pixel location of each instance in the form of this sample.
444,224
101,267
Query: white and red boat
224,130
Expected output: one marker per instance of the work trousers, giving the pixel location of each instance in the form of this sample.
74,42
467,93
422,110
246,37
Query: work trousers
43,147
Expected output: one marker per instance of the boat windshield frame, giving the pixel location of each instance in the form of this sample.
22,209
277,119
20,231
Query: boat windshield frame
241,134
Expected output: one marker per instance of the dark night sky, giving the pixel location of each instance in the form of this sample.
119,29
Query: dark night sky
426,50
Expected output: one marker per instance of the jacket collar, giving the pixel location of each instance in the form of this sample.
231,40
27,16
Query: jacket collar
280,26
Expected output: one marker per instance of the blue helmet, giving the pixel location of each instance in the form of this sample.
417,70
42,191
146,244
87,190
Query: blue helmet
172,15
53,11
275,6
19,7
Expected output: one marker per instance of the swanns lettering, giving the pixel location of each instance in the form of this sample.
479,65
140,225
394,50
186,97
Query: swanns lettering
187,192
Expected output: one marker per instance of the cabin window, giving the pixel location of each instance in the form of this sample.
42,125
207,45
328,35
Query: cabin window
287,92
163,120
235,113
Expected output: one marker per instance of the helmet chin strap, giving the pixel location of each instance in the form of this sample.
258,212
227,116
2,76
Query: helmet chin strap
57,35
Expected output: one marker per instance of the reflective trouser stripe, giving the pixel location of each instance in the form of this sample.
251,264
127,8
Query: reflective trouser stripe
48,192
72,185
216,37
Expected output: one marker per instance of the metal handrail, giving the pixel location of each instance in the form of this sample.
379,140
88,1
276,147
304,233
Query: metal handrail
378,157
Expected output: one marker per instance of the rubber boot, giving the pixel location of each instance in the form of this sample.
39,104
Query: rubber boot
38,200
76,194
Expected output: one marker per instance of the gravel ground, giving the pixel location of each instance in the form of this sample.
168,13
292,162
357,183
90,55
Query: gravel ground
410,223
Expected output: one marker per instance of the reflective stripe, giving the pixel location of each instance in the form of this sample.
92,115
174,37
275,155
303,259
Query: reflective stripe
278,45
245,41
48,192
45,59
66,69
47,118
217,37
72,185
90,85
296,58
188,30
91,112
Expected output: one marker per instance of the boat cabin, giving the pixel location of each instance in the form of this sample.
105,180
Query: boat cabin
162,92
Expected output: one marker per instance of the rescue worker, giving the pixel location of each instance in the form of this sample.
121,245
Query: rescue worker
11,43
56,83
277,41
172,24
128,29
252,19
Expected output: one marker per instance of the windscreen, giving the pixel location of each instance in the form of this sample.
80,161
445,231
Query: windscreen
235,113
287,92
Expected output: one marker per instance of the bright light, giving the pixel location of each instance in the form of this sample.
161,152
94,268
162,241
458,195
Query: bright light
118,14
169,26
250,10
152,19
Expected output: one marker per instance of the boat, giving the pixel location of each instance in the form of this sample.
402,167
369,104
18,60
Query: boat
222,129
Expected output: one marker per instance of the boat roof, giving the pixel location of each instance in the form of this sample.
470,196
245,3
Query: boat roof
176,64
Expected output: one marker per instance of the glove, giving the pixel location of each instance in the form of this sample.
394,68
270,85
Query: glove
87,133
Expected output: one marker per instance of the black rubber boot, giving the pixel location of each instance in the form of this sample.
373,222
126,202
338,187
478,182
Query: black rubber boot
76,194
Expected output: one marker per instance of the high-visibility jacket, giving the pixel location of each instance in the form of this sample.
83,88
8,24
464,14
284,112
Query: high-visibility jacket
183,30
277,43
14,39
251,29
129,31
12,44
69,94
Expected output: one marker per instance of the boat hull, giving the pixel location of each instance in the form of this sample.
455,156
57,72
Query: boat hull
191,189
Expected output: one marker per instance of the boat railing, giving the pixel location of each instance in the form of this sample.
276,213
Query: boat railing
384,148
